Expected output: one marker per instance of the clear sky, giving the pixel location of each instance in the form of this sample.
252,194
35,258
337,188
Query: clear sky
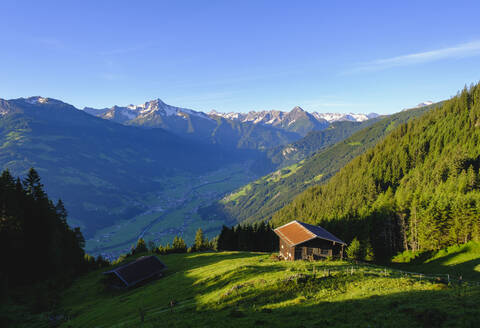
326,56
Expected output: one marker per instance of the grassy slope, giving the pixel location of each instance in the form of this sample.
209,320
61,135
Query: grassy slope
260,199
234,289
458,260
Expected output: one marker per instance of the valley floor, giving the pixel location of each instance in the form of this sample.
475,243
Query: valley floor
234,289
171,212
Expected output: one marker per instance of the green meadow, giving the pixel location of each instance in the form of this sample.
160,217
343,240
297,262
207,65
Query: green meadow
235,289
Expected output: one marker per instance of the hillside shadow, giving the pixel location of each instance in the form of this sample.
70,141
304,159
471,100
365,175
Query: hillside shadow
468,270
465,269
429,309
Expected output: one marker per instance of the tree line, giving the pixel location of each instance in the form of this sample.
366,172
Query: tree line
257,237
178,245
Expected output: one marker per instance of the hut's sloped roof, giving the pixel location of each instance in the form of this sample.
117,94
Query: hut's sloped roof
297,232
294,233
141,269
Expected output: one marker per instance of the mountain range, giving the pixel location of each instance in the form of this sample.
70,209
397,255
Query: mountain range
156,113
116,163
276,117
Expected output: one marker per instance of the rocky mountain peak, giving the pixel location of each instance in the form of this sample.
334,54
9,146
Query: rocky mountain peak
297,109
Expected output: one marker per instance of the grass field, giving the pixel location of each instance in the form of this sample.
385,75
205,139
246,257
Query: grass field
233,289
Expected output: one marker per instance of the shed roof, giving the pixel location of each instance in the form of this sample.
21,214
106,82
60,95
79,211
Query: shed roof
297,232
141,269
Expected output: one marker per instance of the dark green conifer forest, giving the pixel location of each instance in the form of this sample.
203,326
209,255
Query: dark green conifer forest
416,190
39,251
258,237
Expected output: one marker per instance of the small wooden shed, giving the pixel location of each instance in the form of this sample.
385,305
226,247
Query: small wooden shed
141,270
302,241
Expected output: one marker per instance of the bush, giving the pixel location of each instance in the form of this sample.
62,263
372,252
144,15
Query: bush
354,250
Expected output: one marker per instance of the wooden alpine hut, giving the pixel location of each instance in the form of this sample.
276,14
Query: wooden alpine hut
302,241
143,269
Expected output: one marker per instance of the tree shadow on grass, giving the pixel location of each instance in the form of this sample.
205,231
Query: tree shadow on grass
468,270
430,308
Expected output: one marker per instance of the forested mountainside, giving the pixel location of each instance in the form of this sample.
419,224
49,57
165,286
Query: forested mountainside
313,142
99,168
260,199
416,190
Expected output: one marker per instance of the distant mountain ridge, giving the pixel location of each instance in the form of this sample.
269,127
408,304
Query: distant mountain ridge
297,120
275,117
254,130
122,114
196,125
156,113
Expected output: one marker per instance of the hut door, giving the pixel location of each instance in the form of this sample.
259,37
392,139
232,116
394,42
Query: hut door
298,253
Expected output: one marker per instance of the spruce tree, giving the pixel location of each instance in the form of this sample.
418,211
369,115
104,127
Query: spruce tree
199,244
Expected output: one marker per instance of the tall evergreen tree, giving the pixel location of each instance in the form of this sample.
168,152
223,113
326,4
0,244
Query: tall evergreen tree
200,242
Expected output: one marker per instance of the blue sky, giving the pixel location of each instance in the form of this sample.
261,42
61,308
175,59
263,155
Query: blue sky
326,56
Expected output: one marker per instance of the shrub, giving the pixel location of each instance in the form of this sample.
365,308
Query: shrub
354,250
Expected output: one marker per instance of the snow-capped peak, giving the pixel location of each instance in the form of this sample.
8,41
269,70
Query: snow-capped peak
423,104
273,117
335,117
297,109
36,100
145,110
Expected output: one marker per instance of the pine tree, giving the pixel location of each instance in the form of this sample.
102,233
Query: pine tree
199,244
61,211
33,185
141,246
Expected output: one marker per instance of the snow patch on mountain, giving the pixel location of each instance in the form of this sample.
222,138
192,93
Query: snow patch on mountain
352,117
156,106
36,100
423,104
274,117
